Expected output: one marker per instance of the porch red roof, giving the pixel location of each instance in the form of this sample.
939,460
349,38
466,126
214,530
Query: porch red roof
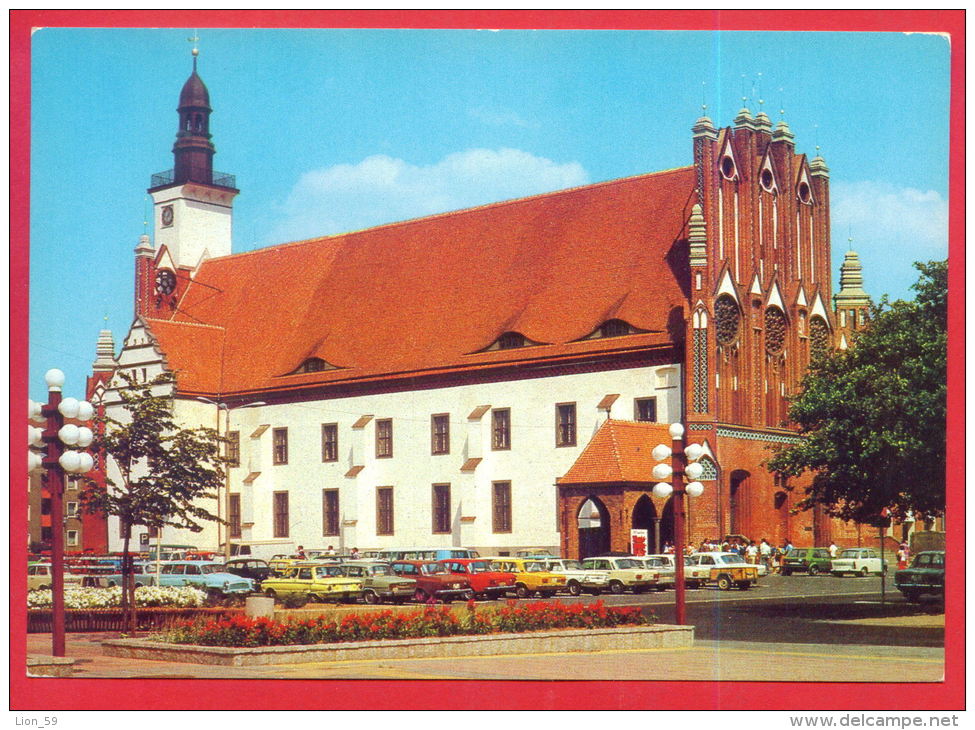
618,452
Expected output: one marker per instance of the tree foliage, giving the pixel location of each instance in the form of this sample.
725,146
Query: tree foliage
164,470
874,417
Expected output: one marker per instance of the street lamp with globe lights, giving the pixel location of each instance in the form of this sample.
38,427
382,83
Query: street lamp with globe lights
683,462
225,501
58,460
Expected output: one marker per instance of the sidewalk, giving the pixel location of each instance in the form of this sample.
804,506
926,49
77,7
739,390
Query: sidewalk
706,661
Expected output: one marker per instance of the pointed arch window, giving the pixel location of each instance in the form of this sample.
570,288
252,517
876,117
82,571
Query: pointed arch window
727,318
775,326
818,338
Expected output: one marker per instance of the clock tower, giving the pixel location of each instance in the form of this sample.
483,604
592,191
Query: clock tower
192,204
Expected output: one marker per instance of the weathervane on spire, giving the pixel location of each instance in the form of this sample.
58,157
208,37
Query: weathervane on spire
704,98
744,97
761,101
782,105
195,40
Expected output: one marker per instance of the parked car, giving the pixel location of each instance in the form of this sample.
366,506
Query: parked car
208,576
254,568
315,581
143,575
379,582
664,569
695,575
926,575
727,570
531,576
39,577
424,553
810,560
577,580
433,581
282,564
858,561
533,553
619,574
484,579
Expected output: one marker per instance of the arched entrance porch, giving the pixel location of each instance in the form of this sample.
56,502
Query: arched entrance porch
592,520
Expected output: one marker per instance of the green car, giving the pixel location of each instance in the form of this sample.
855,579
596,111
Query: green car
926,575
379,582
807,560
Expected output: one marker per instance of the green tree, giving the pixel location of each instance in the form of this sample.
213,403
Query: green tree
165,471
873,417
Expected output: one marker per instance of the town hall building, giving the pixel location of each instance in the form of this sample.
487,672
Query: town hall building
497,377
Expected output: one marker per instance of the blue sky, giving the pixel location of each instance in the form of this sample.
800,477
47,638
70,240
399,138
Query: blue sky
329,131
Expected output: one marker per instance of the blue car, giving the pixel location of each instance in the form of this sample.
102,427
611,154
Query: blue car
211,577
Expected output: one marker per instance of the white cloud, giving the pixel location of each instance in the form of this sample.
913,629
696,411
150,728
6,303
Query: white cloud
881,213
383,189
892,227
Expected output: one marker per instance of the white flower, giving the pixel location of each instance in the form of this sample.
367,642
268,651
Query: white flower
81,598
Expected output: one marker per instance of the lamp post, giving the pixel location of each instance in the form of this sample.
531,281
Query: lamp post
683,462
224,502
58,461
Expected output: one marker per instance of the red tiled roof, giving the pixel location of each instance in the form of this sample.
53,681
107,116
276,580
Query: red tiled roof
432,293
618,452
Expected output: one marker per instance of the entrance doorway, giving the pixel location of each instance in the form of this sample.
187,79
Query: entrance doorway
593,522
738,513
645,518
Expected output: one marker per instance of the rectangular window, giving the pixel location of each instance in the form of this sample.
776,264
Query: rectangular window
501,507
72,538
45,506
384,510
330,442
71,509
280,441
645,409
441,508
440,429
330,512
565,424
233,515
233,448
501,429
384,438
152,532
280,514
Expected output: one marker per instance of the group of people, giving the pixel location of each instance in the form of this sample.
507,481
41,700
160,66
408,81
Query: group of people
330,550
764,552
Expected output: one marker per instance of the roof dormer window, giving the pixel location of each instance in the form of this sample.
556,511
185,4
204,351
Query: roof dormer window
312,365
510,340
615,328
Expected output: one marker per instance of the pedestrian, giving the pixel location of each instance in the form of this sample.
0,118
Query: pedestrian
668,548
354,554
765,553
330,550
776,565
903,556
751,552
833,549
301,552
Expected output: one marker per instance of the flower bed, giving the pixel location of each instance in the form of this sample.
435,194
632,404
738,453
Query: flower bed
148,596
428,621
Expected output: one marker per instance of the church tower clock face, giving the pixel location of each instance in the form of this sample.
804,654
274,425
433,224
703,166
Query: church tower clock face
165,281
167,215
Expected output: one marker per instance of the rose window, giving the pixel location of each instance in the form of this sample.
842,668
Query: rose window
774,331
726,319
818,338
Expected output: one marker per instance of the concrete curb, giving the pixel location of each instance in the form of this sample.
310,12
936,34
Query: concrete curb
570,640
40,665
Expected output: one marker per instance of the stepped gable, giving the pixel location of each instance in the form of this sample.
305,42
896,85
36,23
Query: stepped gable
431,294
618,452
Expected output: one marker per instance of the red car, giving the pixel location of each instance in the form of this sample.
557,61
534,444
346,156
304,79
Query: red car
433,581
485,581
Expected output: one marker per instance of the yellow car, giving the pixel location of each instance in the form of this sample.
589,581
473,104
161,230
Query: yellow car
531,576
315,581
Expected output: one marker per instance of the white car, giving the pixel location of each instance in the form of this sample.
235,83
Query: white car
577,579
660,565
858,561
727,569
694,575
40,576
